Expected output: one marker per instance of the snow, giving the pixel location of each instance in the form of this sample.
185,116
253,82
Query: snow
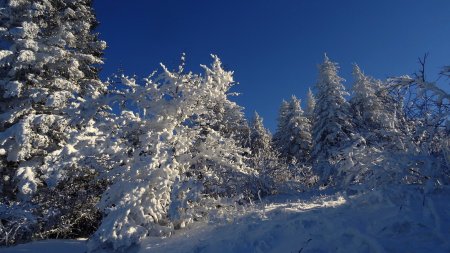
26,56
13,89
335,223
49,246
27,181
4,54
395,219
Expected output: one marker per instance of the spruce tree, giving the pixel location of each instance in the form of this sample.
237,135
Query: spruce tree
333,128
264,158
49,68
49,63
299,131
260,139
376,114
279,136
310,105
294,135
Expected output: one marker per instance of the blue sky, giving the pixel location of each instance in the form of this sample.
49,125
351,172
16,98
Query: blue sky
274,47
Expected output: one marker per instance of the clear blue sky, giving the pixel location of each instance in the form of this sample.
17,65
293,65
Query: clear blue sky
274,47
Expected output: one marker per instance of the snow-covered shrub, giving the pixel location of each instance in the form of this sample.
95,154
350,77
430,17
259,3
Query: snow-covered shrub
175,163
400,142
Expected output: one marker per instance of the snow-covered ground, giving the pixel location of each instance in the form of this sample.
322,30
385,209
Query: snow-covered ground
395,220
49,246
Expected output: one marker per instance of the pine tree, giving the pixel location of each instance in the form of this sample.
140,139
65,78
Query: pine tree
376,113
310,105
364,102
264,158
279,136
49,66
228,118
260,139
299,129
333,128
294,139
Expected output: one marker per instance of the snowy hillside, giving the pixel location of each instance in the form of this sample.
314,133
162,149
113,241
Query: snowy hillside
394,220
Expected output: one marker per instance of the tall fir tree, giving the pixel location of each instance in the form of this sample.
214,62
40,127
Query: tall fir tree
264,158
48,68
373,112
310,105
294,137
333,129
260,139
299,129
49,62
282,122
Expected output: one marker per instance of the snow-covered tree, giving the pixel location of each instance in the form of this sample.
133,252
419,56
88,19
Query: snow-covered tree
228,118
423,127
260,139
375,121
299,128
294,138
48,67
49,64
274,170
310,105
177,165
333,128
426,108
282,122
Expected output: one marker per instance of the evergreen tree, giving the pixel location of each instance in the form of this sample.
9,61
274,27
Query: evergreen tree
264,157
260,139
49,63
279,136
333,128
299,129
370,115
228,118
294,139
50,66
310,105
